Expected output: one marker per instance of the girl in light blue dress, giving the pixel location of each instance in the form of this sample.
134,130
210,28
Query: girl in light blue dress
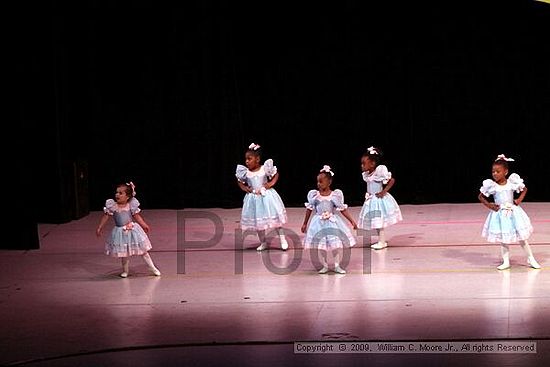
507,222
263,208
129,236
380,209
327,231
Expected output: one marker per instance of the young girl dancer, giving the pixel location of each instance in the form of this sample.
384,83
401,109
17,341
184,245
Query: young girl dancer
129,236
325,204
380,209
262,205
507,222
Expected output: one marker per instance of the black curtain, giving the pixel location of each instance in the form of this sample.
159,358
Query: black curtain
172,99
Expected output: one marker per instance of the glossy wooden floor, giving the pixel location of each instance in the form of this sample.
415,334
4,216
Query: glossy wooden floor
215,304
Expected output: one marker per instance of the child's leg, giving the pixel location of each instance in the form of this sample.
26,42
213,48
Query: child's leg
505,251
377,234
282,239
338,254
381,240
530,258
149,262
381,235
263,244
125,267
323,259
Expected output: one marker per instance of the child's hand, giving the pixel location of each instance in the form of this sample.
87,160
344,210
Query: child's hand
304,227
98,232
261,191
381,194
494,207
517,201
354,225
146,228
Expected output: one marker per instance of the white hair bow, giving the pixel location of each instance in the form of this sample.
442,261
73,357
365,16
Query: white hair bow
327,169
372,150
503,157
254,146
131,184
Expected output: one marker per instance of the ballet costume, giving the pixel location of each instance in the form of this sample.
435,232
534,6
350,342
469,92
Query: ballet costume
510,223
263,208
378,213
127,237
327,230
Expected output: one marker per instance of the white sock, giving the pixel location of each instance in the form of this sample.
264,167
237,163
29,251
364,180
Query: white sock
525,246
149,262
282,239
505,252
530,258
125,266
338,254
323,259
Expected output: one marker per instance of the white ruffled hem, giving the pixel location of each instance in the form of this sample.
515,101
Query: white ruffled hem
507,238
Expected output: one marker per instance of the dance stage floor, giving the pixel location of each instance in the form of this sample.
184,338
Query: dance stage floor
219,303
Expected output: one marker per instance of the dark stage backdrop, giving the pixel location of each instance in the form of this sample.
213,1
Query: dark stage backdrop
172,99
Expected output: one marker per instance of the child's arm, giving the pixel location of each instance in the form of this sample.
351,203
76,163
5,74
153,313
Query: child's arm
487,203
141,222
387,188
269,184
306,219
102,222
244,187
521,196
346,214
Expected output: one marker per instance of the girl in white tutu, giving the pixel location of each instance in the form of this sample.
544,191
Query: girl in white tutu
380,209
327,231
507,222
129,236
262,206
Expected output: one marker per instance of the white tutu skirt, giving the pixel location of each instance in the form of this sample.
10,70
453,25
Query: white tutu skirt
327,234
379,212
261,212
126,242
507,225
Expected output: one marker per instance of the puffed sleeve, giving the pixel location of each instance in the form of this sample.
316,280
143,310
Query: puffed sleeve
110,207
269,168
240,173
365,176
338,200
381,173
488,188
134,206
311,195
516,182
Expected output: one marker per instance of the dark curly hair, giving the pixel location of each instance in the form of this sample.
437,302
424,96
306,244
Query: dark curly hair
128,189
374,154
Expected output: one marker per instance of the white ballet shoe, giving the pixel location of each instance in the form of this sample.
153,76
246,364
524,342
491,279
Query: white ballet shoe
505,265
155,271
323,270
262,246
124,274
339,270
379,245
284,244
533,263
